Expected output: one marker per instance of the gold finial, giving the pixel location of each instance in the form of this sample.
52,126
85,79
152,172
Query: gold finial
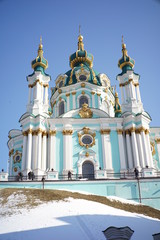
122,40
79,29
80,40
40,49
124,50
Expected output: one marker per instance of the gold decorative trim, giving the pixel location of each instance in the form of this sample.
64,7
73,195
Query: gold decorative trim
98,94
87,154
59,91
119,131
86,131
83,92
44,133
83,84
153,148
132,129
85,111
137,131
70,80
105,131
25,133
52,132
11,152
67,132
54,103
73,93
157,140
17,153
67,94
147,131
92,93
141,129
29,131
127,132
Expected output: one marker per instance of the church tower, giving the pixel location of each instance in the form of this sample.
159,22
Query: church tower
38,83
129,84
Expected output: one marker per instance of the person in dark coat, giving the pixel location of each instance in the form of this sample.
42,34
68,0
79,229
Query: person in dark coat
69,175
136,172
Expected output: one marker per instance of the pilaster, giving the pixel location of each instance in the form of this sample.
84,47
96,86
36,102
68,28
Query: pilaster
67,150
121,149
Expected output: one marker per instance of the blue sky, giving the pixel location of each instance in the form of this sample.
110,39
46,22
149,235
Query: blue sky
103,22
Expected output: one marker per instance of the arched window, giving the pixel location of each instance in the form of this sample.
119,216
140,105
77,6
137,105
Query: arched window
61,108
82,100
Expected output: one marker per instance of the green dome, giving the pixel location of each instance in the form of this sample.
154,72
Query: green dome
81,64
82,73
125,63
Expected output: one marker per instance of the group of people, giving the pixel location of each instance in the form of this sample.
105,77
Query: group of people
31,175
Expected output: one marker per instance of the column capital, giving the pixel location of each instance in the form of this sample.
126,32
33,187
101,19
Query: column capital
127,132
137,131
98,94
120,131
29,131
92,93
83,92
67,94
141,129
52,132
73,93
105,131
67,132
132,129
44,133
25,133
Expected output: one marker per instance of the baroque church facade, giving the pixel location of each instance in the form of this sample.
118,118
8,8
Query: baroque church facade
83,128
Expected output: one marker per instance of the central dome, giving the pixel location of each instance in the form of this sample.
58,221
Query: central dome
81,64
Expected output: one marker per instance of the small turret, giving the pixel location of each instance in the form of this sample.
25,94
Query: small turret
40,63
125,63
117,106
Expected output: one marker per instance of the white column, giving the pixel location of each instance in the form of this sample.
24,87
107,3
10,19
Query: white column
106,149
129,150
122,94
138,93
29,95
34,92
99,100
34,150
67,150
140,149
46,95
93,99
42,93
23,166
11,163
39,150
145,150
135,148
158,147
29,150
149,149
68,103
44,151
121,149
74,99
38,90
52,161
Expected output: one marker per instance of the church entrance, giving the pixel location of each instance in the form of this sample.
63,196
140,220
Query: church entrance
88,170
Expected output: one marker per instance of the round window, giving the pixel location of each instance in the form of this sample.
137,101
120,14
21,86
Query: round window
87,139
82,78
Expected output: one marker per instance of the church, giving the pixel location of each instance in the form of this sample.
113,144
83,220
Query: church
83,129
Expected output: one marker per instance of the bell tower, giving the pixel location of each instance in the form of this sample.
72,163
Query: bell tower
129,84
38,84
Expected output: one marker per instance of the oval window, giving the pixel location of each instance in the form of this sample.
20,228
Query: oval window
82,78
17,158
87,139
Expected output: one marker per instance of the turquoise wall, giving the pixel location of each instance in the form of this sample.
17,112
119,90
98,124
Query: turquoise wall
115,151
127,189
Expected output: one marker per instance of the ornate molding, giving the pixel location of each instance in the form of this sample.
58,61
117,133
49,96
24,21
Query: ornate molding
59,91
52,132
92,93
67,94
147,131
67,132
137,131
105,131
73,93
157,140
83,84
11,152
85,111
127,132
84,133
132,129
98,94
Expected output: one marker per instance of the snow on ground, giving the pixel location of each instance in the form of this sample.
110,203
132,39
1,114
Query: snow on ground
73,219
